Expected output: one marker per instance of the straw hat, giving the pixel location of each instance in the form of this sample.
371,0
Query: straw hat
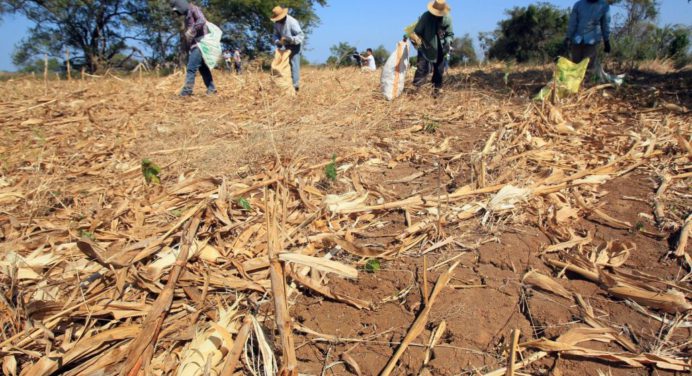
279,13
439,8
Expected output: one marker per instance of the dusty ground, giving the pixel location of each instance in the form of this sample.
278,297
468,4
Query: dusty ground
248,127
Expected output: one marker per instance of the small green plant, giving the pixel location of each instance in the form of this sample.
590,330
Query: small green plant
245,204
176,212
639,226
86,234
330,169
373,266
509,67
151,172
431,127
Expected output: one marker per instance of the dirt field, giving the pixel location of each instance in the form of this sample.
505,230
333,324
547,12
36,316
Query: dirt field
562,222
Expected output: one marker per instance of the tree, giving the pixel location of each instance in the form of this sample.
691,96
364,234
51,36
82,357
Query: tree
95,30
529,33
161,31
381,55
638,14
637,37
341,55
38,66
463,51
247,24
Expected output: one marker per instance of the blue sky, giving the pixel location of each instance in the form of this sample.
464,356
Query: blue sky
375,22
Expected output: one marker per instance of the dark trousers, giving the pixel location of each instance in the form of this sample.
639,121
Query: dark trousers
424,66
582,51
195,63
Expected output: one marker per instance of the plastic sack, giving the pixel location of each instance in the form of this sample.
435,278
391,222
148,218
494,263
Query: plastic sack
210,45
567,79
281,70
394,72
615,80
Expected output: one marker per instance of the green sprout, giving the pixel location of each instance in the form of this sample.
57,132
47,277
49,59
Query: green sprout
373,266
330,169
245,204
151,172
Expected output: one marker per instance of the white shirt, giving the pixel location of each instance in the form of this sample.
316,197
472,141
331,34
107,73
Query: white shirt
370,62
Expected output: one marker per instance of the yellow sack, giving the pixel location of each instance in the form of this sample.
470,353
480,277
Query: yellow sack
567,79
281,71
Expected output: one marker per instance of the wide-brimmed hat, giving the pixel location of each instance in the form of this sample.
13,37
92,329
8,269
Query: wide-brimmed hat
279,13
439,8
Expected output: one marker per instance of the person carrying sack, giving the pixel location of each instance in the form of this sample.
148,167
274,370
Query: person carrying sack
289,35
433,36
195,29
589,23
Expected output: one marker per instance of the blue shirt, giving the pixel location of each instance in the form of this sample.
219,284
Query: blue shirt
589,22
290,30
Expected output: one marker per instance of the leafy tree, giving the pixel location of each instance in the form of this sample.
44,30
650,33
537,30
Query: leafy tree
638,14
463,51
341,55
637,37
95,30
381,55
38,65
529,33
161,32
247,24
98,31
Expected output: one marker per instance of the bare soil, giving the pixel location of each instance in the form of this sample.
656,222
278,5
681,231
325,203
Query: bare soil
247,128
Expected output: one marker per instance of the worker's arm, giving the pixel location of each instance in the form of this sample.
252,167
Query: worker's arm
297,36
605,23
449,31
573,23
420,26
196,22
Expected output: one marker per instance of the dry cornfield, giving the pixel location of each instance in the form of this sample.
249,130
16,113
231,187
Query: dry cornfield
337,233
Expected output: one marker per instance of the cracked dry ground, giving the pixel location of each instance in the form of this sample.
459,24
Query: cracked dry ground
417,147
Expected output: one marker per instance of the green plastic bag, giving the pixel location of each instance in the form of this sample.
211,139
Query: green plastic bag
567,79
210,45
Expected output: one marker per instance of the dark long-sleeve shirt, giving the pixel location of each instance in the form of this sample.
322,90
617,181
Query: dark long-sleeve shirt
195,25
434,31
589,22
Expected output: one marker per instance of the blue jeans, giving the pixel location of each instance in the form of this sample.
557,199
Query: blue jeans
194,63
295,64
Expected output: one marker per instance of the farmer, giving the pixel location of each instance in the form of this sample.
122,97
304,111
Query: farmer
289,35
432,37
369,64
588,24
194,30
227,59
237,61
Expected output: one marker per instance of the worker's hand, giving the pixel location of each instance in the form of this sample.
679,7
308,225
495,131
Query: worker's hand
190,35
415,39
566,44
283,41
607,48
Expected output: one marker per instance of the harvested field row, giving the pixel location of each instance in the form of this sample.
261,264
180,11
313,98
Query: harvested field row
337,232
